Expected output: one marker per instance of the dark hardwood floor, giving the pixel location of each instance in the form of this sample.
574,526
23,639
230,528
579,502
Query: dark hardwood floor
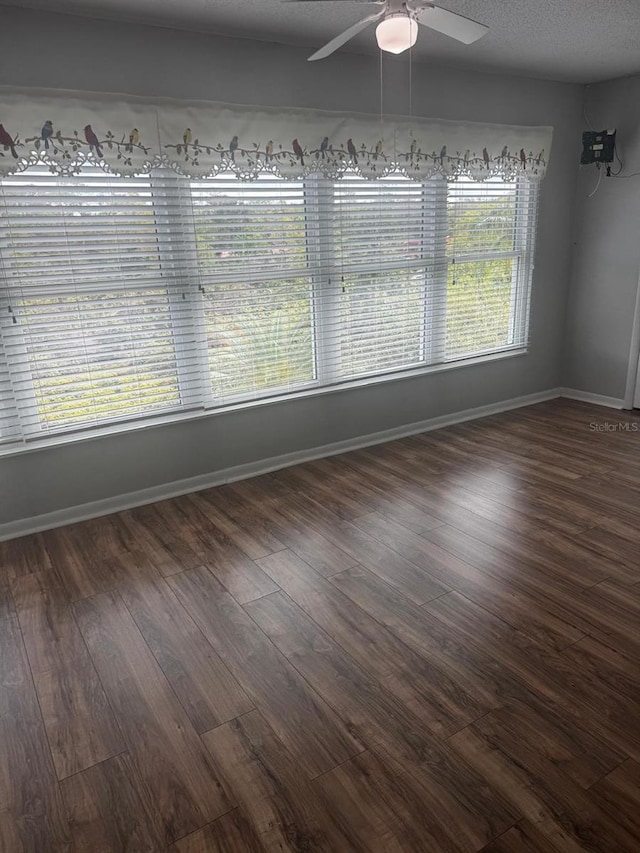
428,645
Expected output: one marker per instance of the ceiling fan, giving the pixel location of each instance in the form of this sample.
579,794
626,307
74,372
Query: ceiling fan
397,29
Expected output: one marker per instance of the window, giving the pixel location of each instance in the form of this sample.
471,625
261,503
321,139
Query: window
489,250
128,298
95,320
257,283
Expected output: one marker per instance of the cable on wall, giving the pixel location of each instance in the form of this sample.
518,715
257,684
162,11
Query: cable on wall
597,186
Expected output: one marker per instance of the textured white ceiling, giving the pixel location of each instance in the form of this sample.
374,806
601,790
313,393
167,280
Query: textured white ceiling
572,40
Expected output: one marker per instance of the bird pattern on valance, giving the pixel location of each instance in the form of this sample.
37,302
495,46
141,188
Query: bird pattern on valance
128,136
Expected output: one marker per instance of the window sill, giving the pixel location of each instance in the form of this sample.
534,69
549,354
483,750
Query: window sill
197,414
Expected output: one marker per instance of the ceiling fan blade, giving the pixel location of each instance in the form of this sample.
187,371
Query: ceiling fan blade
451,24
344,37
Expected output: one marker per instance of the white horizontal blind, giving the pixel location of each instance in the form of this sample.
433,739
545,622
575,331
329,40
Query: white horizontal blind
128,298
387,257
97,331
490,237
257,285
426,272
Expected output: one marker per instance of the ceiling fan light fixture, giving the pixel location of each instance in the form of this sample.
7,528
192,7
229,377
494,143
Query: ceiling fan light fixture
397,33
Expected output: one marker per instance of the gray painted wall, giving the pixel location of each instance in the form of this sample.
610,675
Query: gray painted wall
606,263
66,52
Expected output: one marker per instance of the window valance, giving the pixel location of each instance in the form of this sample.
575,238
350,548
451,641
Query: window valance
127,136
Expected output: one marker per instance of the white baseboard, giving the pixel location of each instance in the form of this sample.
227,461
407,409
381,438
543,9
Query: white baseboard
588,397
73,514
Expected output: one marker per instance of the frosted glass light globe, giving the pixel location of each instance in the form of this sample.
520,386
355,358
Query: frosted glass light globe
396,33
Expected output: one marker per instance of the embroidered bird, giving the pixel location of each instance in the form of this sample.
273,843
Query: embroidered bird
414,148
443,153
134,138
323,147
92,139
523,158
297,150
378,150
46,133
233,147
269,151
485,157
187,136
540,156
7,140
59,138
467,154
505,151
351,148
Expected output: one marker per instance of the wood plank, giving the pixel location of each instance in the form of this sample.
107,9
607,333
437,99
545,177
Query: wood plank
272,791
573,749
459,797
110,810
386,502
525,837
457,653
501,597
610,592
315,549
80,725
235,571
7,607
82,570
451,454
552,592
547,453
303,481
514,510
168,555
374,792
615,718
611,656
352,794
538,789
301,719
418,630
411,580
491,481
617,669
524,541
81,554
494,764
359,634
239,522
613,546
32,814
439,700
22,557
155,528
206,689
589,498
618,794
166,751
231,833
